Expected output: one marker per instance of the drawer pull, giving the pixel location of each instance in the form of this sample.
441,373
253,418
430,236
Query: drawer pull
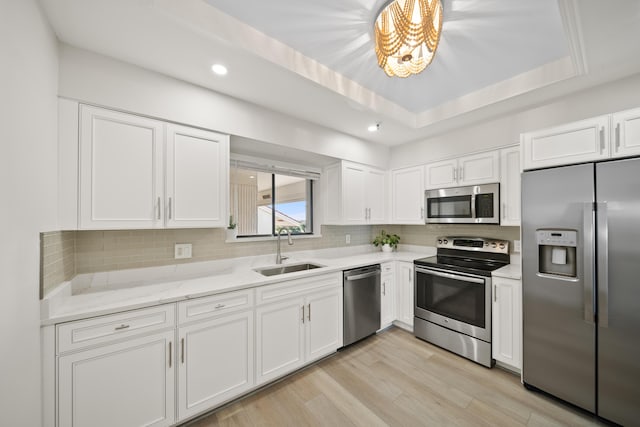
121,327
220,306
182,350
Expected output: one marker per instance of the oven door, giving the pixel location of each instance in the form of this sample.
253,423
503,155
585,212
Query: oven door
457,301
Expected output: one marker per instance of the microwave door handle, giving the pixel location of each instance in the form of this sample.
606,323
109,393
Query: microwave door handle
473,207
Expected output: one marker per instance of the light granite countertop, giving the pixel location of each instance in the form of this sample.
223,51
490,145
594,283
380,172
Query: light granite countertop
511,271
89,295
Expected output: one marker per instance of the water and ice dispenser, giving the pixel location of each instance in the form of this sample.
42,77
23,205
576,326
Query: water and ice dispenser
557,252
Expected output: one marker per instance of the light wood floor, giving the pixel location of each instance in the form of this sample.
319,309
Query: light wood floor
394,379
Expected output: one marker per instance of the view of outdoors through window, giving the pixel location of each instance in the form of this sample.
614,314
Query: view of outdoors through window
264,203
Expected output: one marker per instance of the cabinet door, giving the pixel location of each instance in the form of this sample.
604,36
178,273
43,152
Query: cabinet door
441,174
626,133
407,196
323,324
353,194
215,362
127,384
483,168
506,322
376,196
121,170
510,186
405,292
197,177
279,339
577,142
387,297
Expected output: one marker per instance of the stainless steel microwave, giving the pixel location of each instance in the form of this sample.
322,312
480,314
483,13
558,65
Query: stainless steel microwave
474,204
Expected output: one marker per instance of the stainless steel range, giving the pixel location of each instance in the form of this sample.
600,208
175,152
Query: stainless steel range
453,295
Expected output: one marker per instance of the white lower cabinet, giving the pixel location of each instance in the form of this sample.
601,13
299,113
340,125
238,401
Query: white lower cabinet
297,325
129,383
387,294
404,286
215,362
507,321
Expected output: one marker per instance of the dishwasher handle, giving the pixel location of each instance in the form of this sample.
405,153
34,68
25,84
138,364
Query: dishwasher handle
362,276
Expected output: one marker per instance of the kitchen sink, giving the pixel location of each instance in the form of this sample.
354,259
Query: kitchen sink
284,269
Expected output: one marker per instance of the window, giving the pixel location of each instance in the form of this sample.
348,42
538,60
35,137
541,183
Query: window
263,201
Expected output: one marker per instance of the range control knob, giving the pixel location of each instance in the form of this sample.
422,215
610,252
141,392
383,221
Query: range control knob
494,245
440,241
501,245
445,241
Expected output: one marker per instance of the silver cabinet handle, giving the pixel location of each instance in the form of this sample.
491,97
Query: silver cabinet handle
617,137
170,354
158,207
601,139
309,313
121,327
421,213
303,314
495,293
504,210
461,174
455,174
220,306
384,288
182,350
603,265
169,213
588,271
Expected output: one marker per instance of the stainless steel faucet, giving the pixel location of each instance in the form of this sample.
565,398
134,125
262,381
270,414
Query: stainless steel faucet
279,257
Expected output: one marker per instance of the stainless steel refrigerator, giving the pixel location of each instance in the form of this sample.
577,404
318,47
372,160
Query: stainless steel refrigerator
581,286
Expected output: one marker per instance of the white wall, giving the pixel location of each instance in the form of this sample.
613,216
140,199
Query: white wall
608,98
94,78
28,193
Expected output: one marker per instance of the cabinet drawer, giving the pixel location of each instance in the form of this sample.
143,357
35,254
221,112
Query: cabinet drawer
206,307
105,329
295,288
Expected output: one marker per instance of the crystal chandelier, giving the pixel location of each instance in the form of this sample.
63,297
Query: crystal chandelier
407,34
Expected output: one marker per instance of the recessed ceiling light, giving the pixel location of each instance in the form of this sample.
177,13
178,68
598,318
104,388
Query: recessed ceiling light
219,69
251,177
374,127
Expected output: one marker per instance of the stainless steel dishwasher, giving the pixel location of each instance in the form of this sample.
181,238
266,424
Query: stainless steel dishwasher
361,290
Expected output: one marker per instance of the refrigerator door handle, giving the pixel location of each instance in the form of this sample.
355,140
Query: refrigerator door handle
588,257
603,265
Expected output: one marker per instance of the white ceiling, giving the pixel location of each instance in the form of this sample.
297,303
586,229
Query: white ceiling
483,42
313,59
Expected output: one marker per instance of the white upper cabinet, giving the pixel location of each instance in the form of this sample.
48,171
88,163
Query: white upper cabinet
121,174
137,172
583,141
354,194
196,177
482,168
407,195
626,133
510,186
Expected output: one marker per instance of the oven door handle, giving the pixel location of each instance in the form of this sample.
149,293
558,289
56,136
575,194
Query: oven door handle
450,276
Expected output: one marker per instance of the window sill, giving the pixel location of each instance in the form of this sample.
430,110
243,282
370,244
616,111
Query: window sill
272,238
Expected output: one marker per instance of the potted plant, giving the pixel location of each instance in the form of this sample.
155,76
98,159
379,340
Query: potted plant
388,241
232,231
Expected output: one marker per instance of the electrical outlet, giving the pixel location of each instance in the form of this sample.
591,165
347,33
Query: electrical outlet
347,239
182,251
516,246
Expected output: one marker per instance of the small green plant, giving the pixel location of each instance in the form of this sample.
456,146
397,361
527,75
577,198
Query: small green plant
386,239
232,224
